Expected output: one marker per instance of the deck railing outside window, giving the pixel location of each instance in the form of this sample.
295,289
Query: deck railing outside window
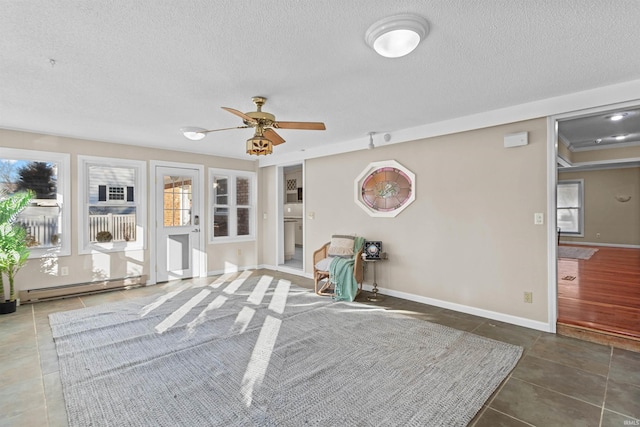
121,227
43,230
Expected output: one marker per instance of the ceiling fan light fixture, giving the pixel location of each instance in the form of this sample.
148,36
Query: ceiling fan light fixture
194,133
259,146
397,35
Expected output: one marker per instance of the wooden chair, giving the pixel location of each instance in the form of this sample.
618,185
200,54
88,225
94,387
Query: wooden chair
322,281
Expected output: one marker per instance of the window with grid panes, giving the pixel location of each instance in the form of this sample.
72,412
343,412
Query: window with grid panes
233,199
570,207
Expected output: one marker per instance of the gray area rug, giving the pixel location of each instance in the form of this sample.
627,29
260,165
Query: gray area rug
575,252
264,352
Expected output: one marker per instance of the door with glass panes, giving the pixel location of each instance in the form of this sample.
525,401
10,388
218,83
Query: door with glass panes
177,223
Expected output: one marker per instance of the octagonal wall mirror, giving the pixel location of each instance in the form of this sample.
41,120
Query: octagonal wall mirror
384,189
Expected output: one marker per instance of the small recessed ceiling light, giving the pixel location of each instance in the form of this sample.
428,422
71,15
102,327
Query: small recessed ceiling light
193,133
397,36
617,116
620,137
598,141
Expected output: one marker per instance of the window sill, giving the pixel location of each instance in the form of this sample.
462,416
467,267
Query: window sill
220,240
111,247
38,253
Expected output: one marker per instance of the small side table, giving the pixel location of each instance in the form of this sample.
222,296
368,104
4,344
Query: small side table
375,297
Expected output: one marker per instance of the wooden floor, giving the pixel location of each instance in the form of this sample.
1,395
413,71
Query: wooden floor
601,293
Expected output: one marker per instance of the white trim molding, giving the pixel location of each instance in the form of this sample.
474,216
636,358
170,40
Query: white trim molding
487,314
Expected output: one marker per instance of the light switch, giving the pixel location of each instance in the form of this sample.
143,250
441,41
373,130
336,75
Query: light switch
538,218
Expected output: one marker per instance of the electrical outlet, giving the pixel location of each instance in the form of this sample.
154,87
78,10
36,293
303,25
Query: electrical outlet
597,235
64,271
239,251
538,218
528,297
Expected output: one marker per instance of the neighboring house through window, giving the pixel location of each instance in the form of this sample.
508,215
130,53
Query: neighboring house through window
47,219
112,213
233,212
571,207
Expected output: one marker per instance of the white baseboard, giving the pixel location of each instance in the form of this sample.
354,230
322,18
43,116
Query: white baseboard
609,245
501,317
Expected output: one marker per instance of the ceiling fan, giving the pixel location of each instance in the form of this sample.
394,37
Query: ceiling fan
265,137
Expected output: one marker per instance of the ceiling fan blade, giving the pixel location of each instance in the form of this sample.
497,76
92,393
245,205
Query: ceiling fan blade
218,130
272,136
240,114
300,125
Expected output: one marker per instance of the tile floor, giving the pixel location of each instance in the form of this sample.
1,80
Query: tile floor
296,260
558,382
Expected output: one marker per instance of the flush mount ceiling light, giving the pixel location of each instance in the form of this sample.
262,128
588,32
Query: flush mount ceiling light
397,35
620,137
617,116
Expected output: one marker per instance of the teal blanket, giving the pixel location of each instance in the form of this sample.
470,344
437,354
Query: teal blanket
341,274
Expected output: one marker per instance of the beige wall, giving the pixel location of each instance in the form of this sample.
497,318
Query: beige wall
99,266
615,222
268,228
608,154
469,238
564,152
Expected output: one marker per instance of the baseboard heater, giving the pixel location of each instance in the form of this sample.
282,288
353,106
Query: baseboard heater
65,291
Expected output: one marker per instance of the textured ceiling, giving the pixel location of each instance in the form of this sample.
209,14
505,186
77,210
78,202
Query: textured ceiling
136,72
596,131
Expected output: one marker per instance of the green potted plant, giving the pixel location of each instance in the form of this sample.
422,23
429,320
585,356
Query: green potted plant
14,250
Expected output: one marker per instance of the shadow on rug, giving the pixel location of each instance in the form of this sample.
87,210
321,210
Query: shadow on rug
261,351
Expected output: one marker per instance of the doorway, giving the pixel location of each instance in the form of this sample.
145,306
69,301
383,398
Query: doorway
598,244
179,222
292,219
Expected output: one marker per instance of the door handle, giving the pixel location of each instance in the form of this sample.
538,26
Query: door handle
197,230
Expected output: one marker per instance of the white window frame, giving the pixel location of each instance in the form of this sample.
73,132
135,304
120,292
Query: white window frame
580,208
232,175
110,193
84,245
63,160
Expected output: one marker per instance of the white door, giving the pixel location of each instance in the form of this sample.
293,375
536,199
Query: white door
178,219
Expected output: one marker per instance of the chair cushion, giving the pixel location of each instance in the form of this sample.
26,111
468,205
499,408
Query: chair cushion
341,246
323,264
